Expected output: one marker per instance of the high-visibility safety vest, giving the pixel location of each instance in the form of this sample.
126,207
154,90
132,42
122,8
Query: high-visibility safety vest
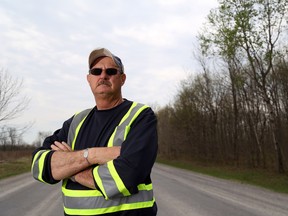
93,202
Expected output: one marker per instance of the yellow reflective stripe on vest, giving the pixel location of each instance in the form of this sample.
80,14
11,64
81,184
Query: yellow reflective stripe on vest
107,173
98,205
119,135
75,126
121,131
79,193
119,183
127,129
109,207
110,142
38,164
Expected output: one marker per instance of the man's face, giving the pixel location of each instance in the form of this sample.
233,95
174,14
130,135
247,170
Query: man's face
105,85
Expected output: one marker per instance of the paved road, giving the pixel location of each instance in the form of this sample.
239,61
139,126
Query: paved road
180,193
177,192
23,196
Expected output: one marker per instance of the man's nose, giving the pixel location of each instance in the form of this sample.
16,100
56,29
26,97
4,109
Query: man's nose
104,75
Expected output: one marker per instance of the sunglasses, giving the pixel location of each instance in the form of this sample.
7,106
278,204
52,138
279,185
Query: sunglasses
98,71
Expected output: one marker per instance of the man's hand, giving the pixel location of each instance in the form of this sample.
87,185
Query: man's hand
85,178
57,146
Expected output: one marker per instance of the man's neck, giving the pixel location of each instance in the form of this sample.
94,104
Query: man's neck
104,103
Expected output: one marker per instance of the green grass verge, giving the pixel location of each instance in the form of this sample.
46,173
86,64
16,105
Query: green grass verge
15,167
262,178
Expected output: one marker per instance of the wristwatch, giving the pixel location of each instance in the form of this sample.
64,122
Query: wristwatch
86,154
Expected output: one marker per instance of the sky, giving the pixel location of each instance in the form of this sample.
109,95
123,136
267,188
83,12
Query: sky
47,43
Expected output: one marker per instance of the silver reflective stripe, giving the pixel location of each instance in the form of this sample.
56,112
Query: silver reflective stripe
75,122
36,169
99,202
119,136
120,130
109,184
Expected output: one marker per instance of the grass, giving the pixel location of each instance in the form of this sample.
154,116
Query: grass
262,178
14,163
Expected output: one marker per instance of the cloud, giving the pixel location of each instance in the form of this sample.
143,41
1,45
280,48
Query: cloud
165,27
47,44
155,85
163,33
171,2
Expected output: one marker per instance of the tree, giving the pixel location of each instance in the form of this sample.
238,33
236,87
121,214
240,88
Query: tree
40,138
235,111
246,36
12,105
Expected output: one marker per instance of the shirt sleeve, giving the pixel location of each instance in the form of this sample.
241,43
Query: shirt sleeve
139,151
41,157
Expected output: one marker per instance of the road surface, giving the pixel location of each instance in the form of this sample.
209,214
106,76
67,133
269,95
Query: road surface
178,193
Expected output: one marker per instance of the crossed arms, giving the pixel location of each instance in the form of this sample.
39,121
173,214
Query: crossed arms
66,163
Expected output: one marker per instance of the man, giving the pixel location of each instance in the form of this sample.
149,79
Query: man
103,155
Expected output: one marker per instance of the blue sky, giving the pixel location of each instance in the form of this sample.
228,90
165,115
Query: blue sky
47,43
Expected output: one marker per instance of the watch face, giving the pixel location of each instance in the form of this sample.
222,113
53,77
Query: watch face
86,153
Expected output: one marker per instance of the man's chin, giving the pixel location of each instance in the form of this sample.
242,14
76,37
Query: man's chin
104,93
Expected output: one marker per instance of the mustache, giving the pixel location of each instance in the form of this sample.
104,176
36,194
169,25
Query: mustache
104,82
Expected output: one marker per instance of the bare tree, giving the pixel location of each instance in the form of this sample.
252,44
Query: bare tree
12,103
40,138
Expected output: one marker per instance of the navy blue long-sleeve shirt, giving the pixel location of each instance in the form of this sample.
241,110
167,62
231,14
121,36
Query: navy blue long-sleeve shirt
138,151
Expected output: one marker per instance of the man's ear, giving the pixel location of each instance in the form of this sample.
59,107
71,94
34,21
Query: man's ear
123,78
88,78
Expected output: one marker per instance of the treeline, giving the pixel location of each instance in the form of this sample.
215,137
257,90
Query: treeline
11,137
25,147
235,112
206,124
12,104
15,152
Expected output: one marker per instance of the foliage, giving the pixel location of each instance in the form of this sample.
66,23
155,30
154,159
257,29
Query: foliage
236,112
